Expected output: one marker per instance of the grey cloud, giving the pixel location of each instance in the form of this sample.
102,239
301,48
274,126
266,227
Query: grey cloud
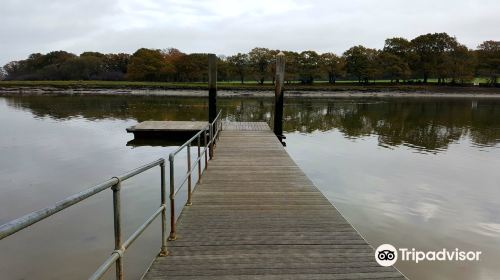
226,27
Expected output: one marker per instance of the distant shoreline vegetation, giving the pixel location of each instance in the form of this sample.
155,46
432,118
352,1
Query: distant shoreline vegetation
427,59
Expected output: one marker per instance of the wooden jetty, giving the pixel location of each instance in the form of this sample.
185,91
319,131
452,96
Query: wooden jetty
151,129
256,215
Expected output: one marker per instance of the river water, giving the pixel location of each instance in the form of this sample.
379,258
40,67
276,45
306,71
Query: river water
415,173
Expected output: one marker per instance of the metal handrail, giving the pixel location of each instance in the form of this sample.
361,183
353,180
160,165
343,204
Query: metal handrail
211,131
27,220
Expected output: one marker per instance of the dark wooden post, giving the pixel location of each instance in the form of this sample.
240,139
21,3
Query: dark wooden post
278,95
212,87
212,97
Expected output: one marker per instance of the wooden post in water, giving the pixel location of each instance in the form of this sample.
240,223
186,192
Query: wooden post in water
212,87
278,96
212,96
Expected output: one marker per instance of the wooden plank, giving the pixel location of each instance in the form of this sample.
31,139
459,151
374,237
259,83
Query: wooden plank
161,126
256,215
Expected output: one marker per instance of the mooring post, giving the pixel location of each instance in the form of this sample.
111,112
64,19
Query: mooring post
278,96
212,87
212,95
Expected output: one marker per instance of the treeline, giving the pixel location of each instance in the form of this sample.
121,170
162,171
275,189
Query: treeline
431,56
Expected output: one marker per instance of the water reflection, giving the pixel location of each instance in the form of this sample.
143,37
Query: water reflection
429,125
417,173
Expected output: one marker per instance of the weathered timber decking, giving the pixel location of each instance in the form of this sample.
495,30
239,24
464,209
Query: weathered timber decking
255,215
169,130
149,126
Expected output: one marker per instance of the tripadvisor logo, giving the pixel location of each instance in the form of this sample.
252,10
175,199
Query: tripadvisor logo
387,255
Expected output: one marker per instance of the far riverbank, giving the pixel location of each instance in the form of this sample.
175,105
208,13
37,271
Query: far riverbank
320,90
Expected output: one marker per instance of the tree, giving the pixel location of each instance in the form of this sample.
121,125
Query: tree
308,66
362,63
115,66
397,46
292,66
332,65
260,59
38,66
148,65
396,57
460,64
223,68
174,57
3,75
11,70
192,68
394,67
430,54
488,55
87,67
239,64
272,64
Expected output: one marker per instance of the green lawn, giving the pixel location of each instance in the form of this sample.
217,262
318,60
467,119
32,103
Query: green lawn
198,85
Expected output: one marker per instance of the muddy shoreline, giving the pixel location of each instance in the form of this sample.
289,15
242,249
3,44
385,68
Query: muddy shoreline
443,92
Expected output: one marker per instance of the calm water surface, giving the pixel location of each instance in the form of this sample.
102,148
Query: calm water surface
413,173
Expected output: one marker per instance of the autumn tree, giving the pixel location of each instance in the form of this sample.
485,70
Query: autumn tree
115,66
260,60
193,68
394,67
239,64
148,65
436,55
488,55
332,65
460,64
396,57
308,66
292,67
38,66
223,68
362,63
430,52
174,57
87,66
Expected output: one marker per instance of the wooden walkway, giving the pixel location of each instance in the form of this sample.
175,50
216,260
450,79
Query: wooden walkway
255,215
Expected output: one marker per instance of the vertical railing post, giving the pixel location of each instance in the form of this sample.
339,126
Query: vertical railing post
172,199
199,157
219,128
118,228
205,150
188,203
211,141
163,251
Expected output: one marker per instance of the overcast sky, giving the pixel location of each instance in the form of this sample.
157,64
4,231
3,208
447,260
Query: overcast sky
230,26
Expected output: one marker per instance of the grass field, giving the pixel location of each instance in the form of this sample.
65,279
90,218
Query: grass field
250,85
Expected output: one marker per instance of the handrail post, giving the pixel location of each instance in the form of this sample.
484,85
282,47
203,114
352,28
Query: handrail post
172,199
199,157
211,145
219,128
118,228
188,148
205,150
163,251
